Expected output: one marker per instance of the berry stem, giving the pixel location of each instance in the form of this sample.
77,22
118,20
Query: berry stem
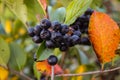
62,58
52,75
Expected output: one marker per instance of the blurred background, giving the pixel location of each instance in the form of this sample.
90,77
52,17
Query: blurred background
17,61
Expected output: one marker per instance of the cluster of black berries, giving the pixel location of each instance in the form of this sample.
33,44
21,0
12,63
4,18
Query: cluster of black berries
83,21
57,35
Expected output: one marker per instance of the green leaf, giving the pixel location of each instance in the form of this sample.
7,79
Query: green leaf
25,10
65,2
83,57
36,72
75,9
73,51
42,52
18,57
45,54
4,53
96,3
34,9
18,8
57,15
41,48
17,25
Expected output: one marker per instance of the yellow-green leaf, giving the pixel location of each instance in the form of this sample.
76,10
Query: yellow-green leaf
75,9
4,53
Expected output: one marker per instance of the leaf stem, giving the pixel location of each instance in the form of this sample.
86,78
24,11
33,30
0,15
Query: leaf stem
21,74
89,73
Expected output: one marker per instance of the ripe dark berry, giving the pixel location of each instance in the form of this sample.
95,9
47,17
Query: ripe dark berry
31,31
56,26
56,36
50,44
63,48
45,23
82,18
89,11
37,39
37,29
75,27
75,39
42,77
52,60
45,34
64,29
66,37
78,33
85,41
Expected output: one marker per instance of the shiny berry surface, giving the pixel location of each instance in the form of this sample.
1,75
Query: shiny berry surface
45,23
31,31
52,60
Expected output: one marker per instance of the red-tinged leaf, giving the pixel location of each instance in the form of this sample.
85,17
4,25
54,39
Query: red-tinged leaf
104,36
45,68
58,69
43,3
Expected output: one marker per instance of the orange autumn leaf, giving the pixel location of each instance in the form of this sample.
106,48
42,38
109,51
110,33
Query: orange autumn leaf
104,36
45,68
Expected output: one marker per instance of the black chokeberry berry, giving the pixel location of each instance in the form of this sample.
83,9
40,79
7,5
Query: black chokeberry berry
45,23
56,36
82,18
50,44
37,39
64,29
63,48
31,31
89,11
37,29
42,77
52,60
75,27
66,37
45,34
85,41
75,39
56,26
78,33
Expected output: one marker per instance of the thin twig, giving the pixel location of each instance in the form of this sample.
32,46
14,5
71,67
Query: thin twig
21,74
89,73
62,58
